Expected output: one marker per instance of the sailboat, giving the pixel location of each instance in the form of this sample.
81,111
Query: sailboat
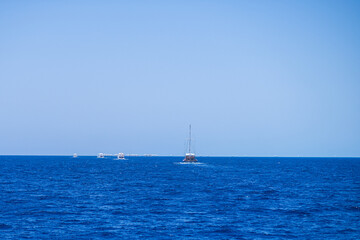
190,157
121,156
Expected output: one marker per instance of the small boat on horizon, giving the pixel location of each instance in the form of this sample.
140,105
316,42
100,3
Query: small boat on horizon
121,156
100,155
75,155
190,157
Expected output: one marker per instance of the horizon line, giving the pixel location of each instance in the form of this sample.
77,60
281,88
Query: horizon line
170,155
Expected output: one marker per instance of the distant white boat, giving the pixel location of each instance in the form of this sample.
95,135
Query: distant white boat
190,157
75,155
100,155
121,156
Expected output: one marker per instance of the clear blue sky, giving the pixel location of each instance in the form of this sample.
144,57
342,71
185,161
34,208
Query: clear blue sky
258,78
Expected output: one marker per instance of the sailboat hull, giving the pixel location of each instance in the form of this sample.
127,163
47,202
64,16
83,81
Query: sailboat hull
190,158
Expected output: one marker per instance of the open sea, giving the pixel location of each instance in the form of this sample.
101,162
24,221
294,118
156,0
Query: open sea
58,197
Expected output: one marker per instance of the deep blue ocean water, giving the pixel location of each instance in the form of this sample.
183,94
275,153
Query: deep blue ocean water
157,197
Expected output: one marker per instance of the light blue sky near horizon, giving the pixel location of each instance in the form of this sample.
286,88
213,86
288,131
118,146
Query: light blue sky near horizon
254,78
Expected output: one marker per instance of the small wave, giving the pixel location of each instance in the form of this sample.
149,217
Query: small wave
4,226
224,229
292,211
354,208
119,212
107,234
12,201
346,230
116,203
270,191
191,163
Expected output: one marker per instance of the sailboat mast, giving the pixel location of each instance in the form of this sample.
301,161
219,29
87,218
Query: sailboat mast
190,138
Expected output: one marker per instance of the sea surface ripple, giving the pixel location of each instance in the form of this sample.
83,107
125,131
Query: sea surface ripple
58,197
